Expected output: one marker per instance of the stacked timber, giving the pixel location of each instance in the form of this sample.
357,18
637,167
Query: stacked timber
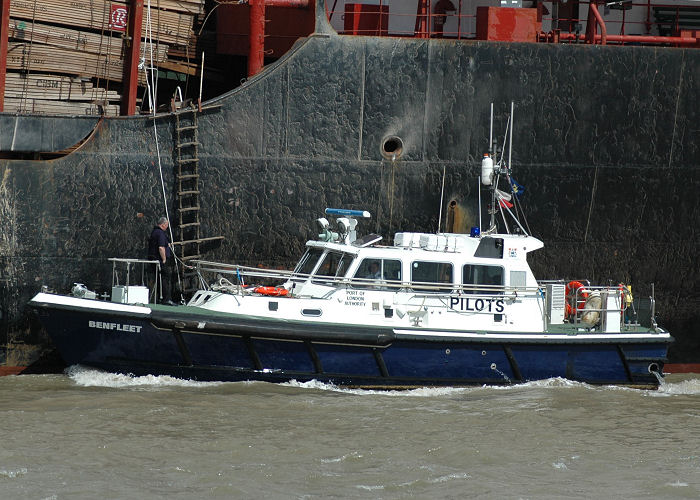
67,56
57,95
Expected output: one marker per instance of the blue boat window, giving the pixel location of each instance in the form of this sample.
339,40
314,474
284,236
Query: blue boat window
385,271
482,279
490,248
334,265
308,261
425,273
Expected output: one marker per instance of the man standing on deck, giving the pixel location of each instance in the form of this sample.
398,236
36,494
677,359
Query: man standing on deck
159,249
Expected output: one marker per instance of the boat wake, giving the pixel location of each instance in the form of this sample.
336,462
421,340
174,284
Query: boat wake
417,392
434,391
684,387
90,377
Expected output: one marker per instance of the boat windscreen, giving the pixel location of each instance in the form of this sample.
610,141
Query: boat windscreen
308,261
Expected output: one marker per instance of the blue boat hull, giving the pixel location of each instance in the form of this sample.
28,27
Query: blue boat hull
238,349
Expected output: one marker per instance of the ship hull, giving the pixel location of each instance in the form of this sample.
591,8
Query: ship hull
183,342
604,142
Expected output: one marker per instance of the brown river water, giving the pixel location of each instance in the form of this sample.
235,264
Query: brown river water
94,435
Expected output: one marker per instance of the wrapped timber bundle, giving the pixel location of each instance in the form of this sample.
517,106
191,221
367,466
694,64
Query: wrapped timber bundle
67,56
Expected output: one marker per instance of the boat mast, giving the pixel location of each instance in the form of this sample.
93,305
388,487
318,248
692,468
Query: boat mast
491,172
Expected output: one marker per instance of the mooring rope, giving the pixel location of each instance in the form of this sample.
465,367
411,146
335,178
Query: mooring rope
152,104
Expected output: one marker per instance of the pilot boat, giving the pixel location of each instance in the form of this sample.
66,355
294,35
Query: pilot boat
426,310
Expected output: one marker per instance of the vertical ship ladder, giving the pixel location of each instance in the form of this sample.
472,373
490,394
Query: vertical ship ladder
187,191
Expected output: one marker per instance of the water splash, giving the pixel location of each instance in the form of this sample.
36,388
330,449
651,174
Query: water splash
426,392
495,368
674,387
417,392
90,377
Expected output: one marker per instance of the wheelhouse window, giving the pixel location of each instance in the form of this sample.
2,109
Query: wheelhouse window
490,248
385,271
334,265
482,279
424,274
308,261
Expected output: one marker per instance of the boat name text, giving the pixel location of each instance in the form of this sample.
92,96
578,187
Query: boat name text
477,305
114,326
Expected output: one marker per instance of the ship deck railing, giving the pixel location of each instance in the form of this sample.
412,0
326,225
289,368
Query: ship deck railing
638,18
127,266
240,275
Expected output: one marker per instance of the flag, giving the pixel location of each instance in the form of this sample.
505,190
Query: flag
505,203
517,189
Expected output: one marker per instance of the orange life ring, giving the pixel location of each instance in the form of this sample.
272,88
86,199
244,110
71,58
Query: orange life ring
273,291
576,295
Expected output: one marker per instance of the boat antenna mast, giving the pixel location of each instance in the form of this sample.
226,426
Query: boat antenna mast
491,173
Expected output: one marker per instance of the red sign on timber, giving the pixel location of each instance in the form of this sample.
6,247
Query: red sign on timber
118,16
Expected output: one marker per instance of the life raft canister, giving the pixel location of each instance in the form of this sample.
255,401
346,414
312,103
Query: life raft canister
590,316
576,295
272,291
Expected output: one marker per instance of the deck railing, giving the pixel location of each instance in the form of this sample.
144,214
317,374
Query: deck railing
436,19
245,276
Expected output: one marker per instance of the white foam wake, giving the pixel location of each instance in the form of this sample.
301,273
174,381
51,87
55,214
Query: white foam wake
671,387
90,377
419,391
435,391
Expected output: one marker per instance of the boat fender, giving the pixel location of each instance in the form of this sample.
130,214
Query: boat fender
591,311
272,291
576,295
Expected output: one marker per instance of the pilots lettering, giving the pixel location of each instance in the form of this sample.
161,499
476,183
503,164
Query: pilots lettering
477,304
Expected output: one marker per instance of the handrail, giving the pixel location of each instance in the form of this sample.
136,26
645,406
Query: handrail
277,274
131,262
613,29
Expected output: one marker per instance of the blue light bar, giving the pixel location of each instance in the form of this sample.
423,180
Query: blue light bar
350,213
